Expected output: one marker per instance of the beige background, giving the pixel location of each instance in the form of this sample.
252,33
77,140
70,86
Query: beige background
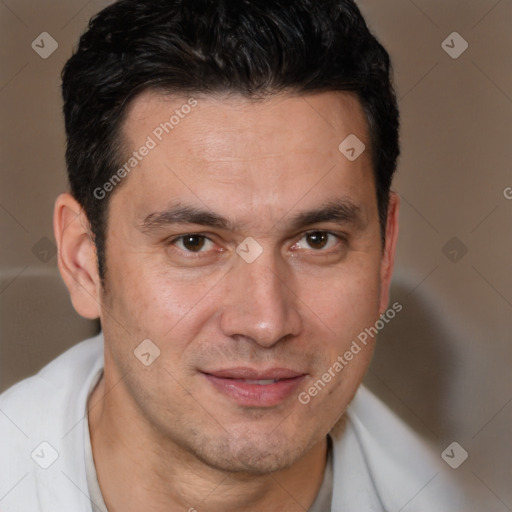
444,362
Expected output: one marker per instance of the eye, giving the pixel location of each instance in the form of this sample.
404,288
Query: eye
193,243
317,240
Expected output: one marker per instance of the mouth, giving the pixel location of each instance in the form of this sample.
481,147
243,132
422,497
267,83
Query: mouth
255,388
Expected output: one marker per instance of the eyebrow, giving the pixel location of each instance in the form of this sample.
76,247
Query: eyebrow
342,211
185,214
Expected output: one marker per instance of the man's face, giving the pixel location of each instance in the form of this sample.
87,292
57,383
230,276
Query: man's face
243,326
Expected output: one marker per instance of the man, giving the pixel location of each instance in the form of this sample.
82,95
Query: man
230,222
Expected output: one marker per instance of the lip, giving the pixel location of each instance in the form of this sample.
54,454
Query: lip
233,384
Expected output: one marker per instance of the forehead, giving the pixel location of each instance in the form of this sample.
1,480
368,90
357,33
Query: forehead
268,151
245,125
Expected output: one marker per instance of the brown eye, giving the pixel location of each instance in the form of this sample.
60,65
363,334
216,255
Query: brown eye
317,239
192,243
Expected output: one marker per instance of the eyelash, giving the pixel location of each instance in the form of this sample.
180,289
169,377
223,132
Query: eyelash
341,238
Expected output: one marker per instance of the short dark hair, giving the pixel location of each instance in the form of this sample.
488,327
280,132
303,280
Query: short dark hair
255,48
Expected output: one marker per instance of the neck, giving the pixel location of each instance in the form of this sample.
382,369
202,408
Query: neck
138,471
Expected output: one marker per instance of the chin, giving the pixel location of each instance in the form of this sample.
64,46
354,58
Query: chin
246,452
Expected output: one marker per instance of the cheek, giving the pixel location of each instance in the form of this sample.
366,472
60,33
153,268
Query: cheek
151,301
346,301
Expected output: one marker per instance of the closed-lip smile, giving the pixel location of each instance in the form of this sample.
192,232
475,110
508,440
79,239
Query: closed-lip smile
252,387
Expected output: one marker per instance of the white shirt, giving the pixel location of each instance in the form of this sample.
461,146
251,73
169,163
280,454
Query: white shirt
378,463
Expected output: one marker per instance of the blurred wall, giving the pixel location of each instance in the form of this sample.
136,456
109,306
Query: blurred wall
444,362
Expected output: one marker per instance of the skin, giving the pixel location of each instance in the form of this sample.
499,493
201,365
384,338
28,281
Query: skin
163,437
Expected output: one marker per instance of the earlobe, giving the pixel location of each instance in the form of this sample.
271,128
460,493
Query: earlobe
388,256
77,258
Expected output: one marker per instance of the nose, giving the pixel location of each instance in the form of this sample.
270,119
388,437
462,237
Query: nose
259,302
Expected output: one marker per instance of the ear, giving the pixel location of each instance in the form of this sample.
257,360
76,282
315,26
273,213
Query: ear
77,257
388,256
